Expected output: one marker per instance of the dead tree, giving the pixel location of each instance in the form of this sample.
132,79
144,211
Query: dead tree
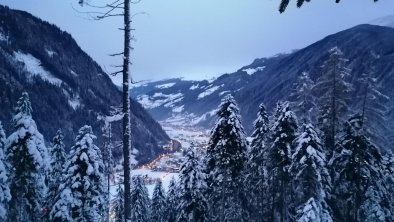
121,8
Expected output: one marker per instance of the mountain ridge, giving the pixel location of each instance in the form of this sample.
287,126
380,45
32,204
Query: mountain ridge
268,80
68,89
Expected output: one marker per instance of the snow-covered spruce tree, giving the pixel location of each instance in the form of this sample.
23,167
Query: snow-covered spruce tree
118,204
283,133
28,159
226,157
171,201
310,178
256,171
358,180
158,203
139,200
81,197
334,91
192,203
374,105
388,161
58,161
302,99
5,195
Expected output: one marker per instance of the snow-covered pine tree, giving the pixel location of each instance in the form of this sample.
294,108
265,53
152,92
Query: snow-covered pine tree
171,201
358,183
388,161
118,204
310,178
58,161
5,195
256,171
158,203
302,99
139,200
283,133
226,157
192,203
334,91
28,159
374,105
81,197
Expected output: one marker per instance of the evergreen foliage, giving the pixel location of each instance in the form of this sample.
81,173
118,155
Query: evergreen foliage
58,161
118,204
302,99
256,170
28,158
335,89
284,3
226,157
139,200
192,203
158,203
310,178
172,201
81,197
359,188
5,195
283,133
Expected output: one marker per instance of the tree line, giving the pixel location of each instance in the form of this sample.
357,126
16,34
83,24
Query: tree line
311,160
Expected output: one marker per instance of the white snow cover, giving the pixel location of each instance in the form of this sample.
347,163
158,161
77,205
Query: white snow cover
33,66
35,140
164,176
208,92
73,73
50,52
251,71
75,102
3,37
166,85
159,99
177,109
193,87
224,92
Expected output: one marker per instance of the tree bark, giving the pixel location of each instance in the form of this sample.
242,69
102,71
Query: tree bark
126,111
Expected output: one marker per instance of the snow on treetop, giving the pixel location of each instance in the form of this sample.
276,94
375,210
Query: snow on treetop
335,51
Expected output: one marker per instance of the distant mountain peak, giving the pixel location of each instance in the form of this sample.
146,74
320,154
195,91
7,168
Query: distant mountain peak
387,20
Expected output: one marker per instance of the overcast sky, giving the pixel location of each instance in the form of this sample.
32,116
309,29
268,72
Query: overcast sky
199,39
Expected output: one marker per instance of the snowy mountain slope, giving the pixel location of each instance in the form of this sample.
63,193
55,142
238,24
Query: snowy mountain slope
269,80
67,88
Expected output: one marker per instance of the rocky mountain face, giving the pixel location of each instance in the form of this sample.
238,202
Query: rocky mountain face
269,80
67,88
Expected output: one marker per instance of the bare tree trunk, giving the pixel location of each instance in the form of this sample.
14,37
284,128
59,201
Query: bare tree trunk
126,111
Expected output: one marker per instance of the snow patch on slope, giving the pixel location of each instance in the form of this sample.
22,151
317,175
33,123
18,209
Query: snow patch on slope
251,71
193,87
208,92
3,37
75,102
50,52
159,99
33,66
177,109
164,86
